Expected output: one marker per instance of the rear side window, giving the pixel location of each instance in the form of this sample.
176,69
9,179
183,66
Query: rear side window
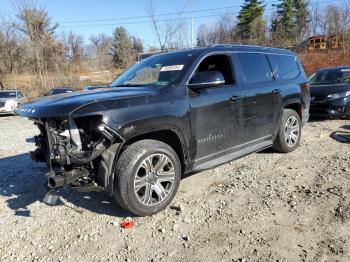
256,67
285,66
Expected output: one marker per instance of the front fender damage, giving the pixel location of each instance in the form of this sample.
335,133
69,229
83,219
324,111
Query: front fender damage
78,151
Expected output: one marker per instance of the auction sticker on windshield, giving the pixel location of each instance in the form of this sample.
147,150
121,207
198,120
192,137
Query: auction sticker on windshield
172,68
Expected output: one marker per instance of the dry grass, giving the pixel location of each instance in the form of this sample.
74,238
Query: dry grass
316,60
30,84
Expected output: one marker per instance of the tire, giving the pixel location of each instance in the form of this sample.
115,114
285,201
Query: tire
347,116
285,141
137,188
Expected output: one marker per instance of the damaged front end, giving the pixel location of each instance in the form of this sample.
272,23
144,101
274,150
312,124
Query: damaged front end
75,150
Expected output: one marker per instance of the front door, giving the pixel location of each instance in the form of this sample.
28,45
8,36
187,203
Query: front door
216,112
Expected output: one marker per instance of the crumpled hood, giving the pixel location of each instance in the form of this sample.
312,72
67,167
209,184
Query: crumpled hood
63,104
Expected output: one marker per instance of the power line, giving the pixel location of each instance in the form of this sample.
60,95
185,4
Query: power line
183,18
174,13
147,16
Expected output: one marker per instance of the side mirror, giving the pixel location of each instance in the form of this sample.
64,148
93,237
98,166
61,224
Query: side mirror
207,79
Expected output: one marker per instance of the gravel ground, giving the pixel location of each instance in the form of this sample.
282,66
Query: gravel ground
265,206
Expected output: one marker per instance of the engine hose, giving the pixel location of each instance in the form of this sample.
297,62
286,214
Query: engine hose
98,150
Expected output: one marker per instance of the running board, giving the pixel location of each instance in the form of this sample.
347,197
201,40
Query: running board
231,156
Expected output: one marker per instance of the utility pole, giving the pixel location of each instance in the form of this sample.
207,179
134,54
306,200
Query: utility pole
191,8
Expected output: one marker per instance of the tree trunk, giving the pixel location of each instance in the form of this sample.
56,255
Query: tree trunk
2,87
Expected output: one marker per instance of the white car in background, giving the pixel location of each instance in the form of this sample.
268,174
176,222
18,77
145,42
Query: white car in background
10,99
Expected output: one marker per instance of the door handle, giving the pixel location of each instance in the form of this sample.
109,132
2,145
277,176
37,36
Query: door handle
276,91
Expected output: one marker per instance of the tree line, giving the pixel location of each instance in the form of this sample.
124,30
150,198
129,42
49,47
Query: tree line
290,23
29,42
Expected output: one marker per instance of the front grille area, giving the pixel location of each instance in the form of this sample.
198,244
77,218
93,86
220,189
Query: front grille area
2,104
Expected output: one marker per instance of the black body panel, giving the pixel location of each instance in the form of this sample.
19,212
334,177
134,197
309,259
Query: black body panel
213,125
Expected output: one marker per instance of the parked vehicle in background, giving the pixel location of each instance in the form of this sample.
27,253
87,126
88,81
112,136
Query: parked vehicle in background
59,90
330,92
10,100
168,115
93,87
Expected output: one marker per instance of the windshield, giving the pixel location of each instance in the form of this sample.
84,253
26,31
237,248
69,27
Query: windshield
331,76
162,70
7,94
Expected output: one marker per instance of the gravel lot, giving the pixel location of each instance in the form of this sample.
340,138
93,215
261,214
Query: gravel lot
266,207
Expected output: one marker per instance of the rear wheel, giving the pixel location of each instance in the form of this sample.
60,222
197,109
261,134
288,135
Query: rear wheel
347,116
147,177
289,132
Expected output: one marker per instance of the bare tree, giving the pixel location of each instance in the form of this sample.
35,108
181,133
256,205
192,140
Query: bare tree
222,32
99,51
12,49
75,48
165,31
315,20
36,24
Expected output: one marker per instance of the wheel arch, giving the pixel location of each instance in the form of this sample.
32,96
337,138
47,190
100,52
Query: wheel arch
167,136
296,106
110,157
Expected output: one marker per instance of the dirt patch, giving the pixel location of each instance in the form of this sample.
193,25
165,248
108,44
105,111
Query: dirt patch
266,207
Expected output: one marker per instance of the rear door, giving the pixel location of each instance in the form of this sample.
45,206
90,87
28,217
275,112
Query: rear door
262,101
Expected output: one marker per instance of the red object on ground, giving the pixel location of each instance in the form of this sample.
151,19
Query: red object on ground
127,224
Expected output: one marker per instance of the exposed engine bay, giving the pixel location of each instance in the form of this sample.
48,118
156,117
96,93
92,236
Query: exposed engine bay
72,149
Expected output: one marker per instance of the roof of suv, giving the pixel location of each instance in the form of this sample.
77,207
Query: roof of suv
10,90
236,48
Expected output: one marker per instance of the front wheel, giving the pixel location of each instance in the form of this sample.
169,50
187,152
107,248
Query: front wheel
289,132
147,177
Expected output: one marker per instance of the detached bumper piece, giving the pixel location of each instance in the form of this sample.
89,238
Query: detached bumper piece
78,178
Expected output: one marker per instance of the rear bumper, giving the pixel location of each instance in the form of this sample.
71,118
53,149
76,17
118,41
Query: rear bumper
330,108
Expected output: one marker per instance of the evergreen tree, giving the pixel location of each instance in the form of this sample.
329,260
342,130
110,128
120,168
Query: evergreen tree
302,19
286,18
292,20
251,23
121,48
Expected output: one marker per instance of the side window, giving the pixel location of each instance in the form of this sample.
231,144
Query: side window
19,94
220,63
285,66
256,67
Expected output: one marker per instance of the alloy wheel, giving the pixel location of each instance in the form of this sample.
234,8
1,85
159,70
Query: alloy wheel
291,131
154,179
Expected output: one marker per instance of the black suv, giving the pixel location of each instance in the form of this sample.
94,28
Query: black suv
169,115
